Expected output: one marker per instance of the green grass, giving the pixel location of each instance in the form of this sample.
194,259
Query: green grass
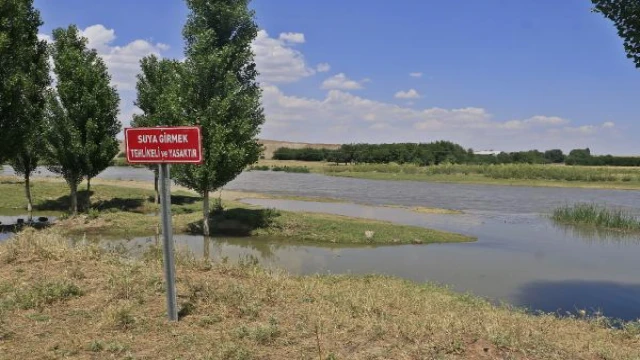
127,212
244,311
285,168
509,174
38,295
596,215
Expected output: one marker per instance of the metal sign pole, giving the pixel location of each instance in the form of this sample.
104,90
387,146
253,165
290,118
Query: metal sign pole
167,242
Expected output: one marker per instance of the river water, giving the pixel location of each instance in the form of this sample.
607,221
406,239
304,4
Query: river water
520,257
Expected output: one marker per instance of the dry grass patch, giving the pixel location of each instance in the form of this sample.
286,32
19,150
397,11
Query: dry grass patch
245,312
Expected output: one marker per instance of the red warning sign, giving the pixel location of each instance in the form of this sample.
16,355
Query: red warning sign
164,145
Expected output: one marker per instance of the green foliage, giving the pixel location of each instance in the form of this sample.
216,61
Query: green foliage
596,215
24,75
159,94
81,112
40,294
306,154
259,168
291,169
500,171
625,15
220,92
555,156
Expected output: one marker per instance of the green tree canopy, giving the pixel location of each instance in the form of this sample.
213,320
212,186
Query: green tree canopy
23,75
81,110
625,15
221,93
159,97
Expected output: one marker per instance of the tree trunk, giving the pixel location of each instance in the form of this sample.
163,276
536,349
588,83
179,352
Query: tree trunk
205,214
88,193
156,176
27,191
74,199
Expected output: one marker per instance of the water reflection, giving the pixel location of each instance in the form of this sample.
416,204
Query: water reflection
594,235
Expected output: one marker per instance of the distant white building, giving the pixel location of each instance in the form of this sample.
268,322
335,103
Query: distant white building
487,152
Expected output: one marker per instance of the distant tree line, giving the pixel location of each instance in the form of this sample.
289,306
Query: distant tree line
440,152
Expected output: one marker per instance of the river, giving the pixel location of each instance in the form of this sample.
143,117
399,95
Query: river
520,257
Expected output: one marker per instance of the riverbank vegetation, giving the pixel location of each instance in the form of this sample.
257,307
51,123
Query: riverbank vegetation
507,174
501,174
445,152
594,215
127,211
242,311
285,168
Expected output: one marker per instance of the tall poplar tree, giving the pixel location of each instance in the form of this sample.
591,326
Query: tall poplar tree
221,92
23,76
159,97
82,109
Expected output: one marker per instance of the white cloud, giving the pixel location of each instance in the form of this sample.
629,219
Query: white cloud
415,74
608,125
341,82
410,94
380,126
323,67
123,61
344,117
45,37
537,120
296,38
277,61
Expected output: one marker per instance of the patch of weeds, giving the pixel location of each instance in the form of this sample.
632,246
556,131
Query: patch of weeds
116,348
42,294
123,284
123,318
96,346
80,314
187,309
332,356
631,329
10,255
5,333
241,332
232,351
206,321
251,311
39,317
77,273
93,214
377,332
155,282
248,261
265,334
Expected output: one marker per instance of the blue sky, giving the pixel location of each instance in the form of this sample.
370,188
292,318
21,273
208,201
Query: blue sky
491,74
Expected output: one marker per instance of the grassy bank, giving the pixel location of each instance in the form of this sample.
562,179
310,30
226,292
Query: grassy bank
508,174
127,211
80,303
593,215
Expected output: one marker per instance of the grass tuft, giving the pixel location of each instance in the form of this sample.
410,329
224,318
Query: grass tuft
596,215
